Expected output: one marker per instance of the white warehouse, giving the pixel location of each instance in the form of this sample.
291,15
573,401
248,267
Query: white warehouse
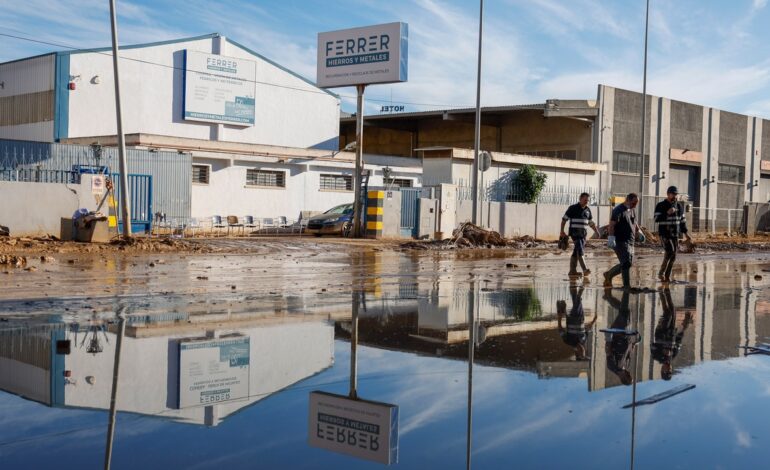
262,140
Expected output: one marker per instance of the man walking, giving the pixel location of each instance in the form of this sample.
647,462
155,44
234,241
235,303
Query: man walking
671,225
580,217
623,229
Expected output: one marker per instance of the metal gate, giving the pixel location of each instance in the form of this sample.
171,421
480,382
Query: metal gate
141,201
410,211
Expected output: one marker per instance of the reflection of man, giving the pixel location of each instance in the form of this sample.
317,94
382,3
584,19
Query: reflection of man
576,331
618,345
668,335
579,217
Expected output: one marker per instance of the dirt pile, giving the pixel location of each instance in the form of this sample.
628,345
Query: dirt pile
13,261
470,236
50,244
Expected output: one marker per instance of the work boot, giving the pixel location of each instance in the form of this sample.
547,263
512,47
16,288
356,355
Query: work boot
626,274
582,261
573,261
607,280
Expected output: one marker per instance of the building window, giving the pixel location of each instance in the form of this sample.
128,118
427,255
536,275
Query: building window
730,174
336,182
200,174
266,178
629,163
561,154
397,182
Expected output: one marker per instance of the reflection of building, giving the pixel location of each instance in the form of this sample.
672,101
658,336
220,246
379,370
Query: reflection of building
282,352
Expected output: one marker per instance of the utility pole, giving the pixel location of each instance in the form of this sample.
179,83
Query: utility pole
125,208
359,161
477,136
644,116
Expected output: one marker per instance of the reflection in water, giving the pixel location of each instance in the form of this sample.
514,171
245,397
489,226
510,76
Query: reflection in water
531,354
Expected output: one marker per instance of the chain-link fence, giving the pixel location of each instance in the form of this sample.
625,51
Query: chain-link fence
511,191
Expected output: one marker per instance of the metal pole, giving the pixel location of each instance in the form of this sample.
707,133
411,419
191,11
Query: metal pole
114,394
477,136
354,346
471,347
124,190
359,161
644,115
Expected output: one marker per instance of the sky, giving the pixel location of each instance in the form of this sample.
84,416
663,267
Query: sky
710,52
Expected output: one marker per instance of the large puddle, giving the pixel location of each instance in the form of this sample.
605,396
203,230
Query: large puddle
422,361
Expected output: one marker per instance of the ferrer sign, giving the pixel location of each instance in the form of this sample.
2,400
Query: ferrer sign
359,428
213,371
219,89
362,56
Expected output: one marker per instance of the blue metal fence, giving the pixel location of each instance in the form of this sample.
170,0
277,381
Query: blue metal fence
410,211
141,202
171,172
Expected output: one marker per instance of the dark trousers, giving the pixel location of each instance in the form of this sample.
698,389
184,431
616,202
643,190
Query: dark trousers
579,246
625,253
671,246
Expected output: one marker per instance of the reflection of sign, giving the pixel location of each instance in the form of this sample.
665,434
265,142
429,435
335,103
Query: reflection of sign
219,88
97,184
360,56
213,371
360,428
685,155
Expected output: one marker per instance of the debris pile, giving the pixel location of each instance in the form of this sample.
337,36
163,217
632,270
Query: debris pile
470,236
13,261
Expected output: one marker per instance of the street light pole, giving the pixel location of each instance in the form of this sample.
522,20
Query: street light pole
477,135
644,116
124,189
357,203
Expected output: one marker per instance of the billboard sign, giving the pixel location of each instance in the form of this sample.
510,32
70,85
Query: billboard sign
219,89
363,56
359,428
213,371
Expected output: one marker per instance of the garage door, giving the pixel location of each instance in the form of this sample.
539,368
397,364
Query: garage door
764,189
686,178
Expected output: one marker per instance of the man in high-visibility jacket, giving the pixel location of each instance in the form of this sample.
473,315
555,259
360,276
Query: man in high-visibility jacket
579,217
669,215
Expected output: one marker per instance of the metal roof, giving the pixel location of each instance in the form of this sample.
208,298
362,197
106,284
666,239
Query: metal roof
442,112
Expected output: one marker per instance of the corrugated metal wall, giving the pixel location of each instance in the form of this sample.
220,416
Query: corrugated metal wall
171,172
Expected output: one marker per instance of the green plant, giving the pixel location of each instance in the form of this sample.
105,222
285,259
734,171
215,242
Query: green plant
530,182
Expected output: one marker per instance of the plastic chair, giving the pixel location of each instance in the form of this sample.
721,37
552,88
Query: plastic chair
233,223
216,222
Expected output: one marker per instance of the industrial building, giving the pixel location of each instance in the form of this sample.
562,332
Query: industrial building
253,137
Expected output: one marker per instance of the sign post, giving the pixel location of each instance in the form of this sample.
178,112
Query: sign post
360,57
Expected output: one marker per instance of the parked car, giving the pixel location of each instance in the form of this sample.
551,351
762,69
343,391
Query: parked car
336,221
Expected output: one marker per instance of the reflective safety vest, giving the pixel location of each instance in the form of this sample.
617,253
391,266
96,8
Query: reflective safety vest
670,225
580,218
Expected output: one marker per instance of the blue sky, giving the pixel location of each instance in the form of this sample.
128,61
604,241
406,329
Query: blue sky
712,52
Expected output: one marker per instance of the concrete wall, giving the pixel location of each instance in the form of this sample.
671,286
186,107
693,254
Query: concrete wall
36,209
227,192
293,113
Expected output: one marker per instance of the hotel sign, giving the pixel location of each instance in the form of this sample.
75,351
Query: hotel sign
355,427
363,56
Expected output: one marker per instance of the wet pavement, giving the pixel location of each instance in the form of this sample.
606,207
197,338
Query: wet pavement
219,358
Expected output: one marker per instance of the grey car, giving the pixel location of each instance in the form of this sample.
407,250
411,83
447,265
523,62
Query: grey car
336,221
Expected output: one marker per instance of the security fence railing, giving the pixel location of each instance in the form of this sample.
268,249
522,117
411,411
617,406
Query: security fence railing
511,191
699,219
38,175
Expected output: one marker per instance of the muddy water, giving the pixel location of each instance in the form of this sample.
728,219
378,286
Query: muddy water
219,356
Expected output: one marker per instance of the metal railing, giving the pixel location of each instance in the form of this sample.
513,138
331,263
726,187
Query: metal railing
511,191
38,175
700,219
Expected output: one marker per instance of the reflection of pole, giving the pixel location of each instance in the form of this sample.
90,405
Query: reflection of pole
354,346
477,136
124,190
114,395
633,392
359,161
471,346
